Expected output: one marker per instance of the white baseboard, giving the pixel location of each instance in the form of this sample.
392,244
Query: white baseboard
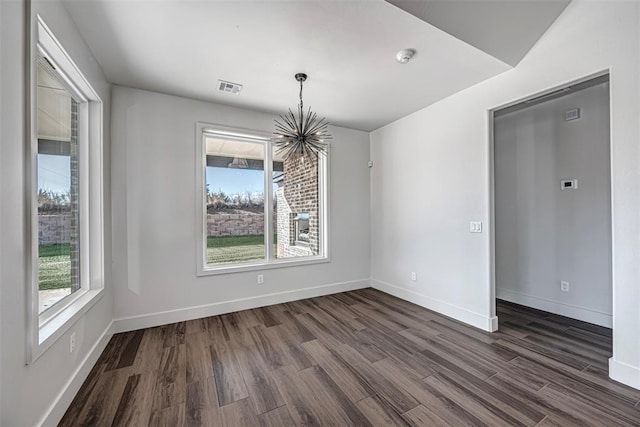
489,324
59,406
624,373
568,310
162,318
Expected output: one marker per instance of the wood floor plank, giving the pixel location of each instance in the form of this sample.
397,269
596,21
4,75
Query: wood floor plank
268,318
504,405
320,330
348,381
201,406
149,353
230,386
294,351
216,329
587,414
135,406
400,347
173,334
554,371
439,405
524,347
331,398
297,329
300,403
101,407
195,326
198,357
380,413
86,392
271,354
168,417
401,400
262,390
278,417
239,413
422,416
587,391
452,329
356,358
533,399
130,349
171,379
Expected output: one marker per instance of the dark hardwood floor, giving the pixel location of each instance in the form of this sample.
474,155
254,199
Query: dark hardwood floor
357,358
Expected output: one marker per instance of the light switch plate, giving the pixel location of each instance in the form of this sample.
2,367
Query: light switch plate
475,227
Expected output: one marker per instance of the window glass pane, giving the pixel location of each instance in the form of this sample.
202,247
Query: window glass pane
235,201
296,206
58,180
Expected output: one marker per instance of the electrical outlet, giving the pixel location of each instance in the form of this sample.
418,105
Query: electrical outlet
260,279
72,342
475,227
564,286
414,276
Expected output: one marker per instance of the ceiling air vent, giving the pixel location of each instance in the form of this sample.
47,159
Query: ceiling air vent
229,87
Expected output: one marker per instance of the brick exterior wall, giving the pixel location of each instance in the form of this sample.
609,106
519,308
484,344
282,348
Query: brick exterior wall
74,216
298,193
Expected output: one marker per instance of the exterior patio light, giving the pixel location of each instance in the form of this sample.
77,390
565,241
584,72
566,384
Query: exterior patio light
299,135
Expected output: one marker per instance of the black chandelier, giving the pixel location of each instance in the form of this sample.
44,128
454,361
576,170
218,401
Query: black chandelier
299,135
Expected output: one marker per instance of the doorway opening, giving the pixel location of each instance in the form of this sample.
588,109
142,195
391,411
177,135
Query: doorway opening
551,241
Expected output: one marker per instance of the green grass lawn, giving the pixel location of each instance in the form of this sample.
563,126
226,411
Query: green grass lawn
226,249
54,266
54,261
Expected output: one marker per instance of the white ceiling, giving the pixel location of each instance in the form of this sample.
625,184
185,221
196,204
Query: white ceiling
515,26
346,47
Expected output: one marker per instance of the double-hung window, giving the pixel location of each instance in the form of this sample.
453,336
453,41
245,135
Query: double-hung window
257,209
65,165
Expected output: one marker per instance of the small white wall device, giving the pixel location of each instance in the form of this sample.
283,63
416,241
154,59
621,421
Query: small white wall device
568,184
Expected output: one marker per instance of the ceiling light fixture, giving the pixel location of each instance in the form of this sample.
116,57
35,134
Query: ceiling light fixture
299,135
405,55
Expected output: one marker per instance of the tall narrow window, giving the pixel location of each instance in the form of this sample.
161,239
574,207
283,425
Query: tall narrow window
66,188
235,201
58,177
259,208
297,208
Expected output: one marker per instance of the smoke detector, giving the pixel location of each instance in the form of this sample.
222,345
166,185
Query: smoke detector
405,55
229,87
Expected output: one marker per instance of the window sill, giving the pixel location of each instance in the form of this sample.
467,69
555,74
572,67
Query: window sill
55,327
240,268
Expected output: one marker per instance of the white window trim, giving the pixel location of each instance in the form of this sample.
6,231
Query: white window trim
269,262
47,329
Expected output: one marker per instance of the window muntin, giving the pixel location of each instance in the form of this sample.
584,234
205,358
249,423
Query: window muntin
285,183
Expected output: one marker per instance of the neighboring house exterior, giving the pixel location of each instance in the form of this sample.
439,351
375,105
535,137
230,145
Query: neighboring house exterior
297,209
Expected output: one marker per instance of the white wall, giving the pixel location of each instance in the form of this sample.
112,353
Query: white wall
545,234
431,177
28,392
154,215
